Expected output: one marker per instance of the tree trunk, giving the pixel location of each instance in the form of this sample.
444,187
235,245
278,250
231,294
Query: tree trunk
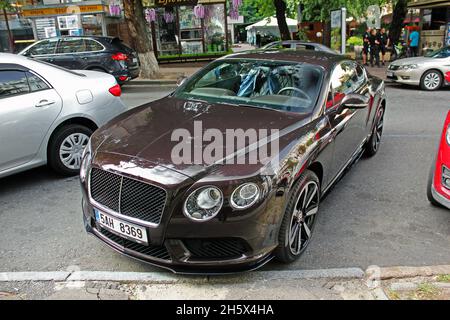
141,37
398,16
10,36
280,7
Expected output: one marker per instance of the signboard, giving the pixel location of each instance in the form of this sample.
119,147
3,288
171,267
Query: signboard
338,30
240,20
63,10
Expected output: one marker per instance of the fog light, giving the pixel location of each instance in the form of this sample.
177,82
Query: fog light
445,177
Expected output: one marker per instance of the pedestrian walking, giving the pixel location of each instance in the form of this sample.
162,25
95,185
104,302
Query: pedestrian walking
414,42
374,47
366,46
384,43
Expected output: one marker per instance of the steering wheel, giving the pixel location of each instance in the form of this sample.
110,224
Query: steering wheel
301,92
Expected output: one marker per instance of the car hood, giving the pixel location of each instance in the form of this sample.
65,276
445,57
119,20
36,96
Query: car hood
150,132
413,60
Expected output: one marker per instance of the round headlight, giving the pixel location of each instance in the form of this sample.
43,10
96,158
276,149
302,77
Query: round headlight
203,204
245,196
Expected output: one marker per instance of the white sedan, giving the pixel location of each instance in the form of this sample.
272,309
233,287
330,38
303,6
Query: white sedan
430,72
48,113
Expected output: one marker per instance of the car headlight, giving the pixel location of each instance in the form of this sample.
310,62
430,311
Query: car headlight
447,135
203,204
245,196
86,159
409,66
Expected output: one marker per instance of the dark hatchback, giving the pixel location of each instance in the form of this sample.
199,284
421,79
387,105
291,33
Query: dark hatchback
104,54
213,215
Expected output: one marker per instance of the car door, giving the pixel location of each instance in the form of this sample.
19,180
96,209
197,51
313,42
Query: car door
95,55
43,50
69,53
28,107
349,125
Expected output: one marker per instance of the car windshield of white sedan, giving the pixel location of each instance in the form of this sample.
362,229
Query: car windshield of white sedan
439,53
285,86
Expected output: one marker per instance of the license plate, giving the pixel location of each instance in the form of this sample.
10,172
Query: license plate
128,230
389,74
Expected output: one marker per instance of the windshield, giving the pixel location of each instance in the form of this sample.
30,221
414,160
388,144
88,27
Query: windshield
440,53
276,85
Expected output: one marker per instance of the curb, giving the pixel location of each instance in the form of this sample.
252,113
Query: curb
386,273
167,278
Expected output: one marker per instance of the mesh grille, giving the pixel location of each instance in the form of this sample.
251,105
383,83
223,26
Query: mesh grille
127,196
105,188
159,252
142,201
216,248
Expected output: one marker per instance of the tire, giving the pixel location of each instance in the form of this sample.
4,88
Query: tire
373,145
98,70
429,185
59,145
289,249
431,80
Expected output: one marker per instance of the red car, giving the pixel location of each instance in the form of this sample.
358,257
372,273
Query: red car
438,190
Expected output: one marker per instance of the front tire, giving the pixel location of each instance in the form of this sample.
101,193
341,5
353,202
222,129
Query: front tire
431,80
66,147
299,218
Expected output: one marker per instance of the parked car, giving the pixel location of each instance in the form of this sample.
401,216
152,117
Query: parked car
296,44
48,113
104,54
430,72
145,200
438,188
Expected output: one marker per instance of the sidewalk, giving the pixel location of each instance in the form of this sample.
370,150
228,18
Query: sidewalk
396,283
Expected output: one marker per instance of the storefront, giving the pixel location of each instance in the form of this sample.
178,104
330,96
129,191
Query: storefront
73,19
187,29
434,22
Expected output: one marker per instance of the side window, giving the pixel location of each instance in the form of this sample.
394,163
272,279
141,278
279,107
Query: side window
43,48
71,45
13,82
92,45
36,83
360,76
343,81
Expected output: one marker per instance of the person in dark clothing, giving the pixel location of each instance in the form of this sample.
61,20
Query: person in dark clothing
384,42
374,47
258,39
366,46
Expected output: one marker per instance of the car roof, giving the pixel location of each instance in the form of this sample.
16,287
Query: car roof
11,58
324,59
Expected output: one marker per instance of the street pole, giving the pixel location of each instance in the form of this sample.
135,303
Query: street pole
11,43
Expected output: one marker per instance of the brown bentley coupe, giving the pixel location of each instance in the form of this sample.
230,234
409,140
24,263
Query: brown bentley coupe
228,171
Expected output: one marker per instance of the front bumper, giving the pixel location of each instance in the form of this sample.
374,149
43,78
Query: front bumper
409,77
439,197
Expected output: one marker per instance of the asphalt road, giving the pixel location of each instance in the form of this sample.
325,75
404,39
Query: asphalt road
378,213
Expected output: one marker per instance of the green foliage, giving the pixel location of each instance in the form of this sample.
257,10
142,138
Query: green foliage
355,41
5,4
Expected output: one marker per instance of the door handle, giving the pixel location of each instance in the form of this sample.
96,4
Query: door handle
44,103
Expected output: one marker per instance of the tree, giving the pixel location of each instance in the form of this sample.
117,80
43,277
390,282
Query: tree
142,41
280,9
398,16
6,5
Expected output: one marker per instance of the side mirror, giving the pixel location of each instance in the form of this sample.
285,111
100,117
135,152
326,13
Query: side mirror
181,80
355,101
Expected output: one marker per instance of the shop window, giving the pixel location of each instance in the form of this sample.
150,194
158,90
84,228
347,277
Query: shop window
12,83
190,31
434,19
215,28
166,34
